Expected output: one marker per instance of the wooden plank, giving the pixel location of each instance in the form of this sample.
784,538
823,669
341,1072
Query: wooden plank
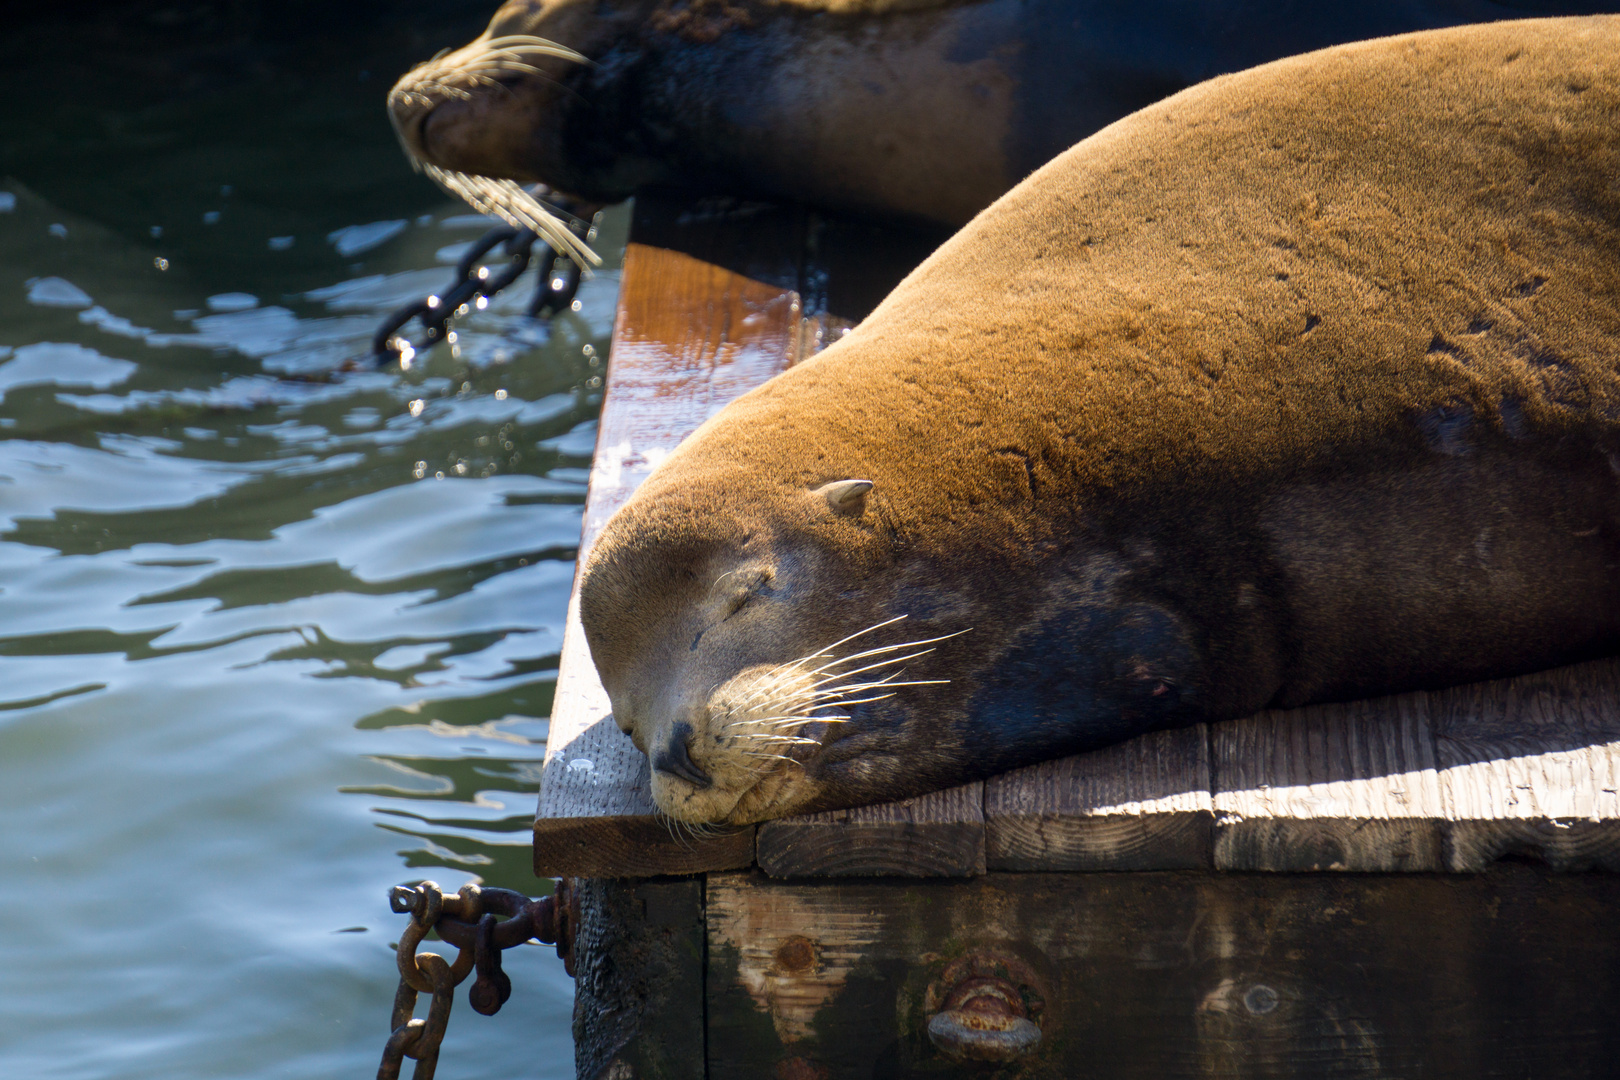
1329,787
709,311
689,338
638,1009
1178,975
1530,767
935,835
1143,805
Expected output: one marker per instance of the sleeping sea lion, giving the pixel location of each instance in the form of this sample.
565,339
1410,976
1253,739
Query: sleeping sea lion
910,109
1302,385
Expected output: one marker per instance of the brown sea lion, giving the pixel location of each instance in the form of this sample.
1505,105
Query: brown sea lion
919,109
1302,385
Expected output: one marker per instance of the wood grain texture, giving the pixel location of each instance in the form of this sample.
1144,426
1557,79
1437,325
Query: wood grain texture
1329,787
1142,805
936,835
639,954
1530,767
689,338
1176,976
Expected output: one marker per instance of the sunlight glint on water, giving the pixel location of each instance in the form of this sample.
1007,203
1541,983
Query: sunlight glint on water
258,662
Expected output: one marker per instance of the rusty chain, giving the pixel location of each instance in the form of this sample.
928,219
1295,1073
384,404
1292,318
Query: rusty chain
468,920
474,283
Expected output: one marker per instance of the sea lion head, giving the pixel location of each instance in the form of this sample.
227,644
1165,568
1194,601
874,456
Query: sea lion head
483,120
860,105
514,104
746,652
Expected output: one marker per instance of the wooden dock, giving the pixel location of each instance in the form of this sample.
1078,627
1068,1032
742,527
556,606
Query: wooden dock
1384,888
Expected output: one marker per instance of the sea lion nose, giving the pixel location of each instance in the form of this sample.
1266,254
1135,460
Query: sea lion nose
676,760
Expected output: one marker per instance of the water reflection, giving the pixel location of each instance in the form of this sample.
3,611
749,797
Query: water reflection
273,637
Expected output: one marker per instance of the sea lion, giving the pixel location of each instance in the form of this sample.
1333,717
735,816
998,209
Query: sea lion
902,109
1302,385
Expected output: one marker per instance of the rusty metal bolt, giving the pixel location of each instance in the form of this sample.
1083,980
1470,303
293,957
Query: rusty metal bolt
983,1019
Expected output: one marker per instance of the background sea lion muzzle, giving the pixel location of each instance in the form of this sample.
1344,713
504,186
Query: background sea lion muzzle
488,108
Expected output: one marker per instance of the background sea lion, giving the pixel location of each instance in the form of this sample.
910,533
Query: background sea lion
1302,385
918,109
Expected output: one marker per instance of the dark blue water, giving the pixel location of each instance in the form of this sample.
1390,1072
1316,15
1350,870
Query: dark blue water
272,639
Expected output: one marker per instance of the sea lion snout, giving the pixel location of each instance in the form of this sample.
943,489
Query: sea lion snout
488,108
742,748
676,758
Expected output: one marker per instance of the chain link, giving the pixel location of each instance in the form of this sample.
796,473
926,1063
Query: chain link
468,921
475,282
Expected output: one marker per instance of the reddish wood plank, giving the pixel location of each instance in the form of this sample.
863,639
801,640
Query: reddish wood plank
689,337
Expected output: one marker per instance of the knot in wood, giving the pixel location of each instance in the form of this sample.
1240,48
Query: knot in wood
795,955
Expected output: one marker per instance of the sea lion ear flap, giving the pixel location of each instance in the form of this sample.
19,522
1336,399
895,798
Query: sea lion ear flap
845,496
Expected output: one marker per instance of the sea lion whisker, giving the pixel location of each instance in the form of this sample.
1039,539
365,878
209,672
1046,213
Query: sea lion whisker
838,701
448,90
530,43
842,702
509,202
786,664
476,70
835,676
891,648
763,754
876,652
672,825
762,690
858,633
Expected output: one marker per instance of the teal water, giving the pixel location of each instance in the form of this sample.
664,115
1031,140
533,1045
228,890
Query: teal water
273,637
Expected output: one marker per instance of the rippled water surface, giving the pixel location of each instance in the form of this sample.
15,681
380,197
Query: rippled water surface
273,637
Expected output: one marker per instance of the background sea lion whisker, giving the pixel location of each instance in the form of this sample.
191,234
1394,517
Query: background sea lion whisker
508,201
528,43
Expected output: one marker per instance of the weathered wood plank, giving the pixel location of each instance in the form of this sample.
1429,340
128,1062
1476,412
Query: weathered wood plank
1143,805
1531,767
1329,787
1174,976
709,311
639,953
935,835
689,337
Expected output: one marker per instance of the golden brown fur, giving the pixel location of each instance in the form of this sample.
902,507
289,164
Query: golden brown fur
1302,384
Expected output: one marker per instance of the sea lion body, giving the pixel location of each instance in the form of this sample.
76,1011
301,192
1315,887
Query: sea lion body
1301,385
908,109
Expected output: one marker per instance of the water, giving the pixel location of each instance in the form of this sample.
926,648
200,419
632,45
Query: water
271,639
